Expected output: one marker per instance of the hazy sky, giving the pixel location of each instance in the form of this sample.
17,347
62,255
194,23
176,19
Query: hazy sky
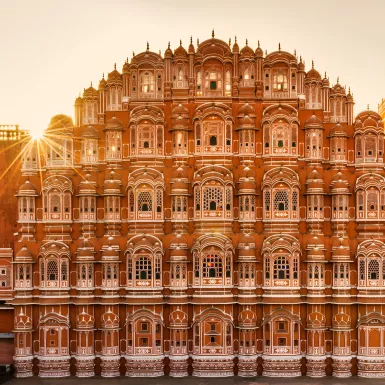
51,50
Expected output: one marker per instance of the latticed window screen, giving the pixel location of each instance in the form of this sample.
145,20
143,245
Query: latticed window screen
362,269
281,200
143,269
52,270
42,275
358,147
267,267
197,198
370,146
212,266
64,271
144,201
281,267
295,268
228,198
55,203
267,200
159,200
373,269
294,200
129,268
212,198
157,267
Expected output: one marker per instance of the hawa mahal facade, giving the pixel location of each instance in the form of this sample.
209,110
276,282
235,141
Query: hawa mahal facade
212,211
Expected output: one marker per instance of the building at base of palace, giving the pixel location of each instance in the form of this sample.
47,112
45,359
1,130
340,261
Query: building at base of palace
210,212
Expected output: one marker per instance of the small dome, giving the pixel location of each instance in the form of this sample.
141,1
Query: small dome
368,119
62,124
301,65
258,51
235,46
313,74
102,83
313,122
247,51
247,109
168,52
339,183
27,189
90,132
180,51
110,320
114,124
247,319
90,92
316,320
85,321
87,186
178,318
341,321
79,101
110,254
22,321
191,48
114,76
338,130
113,183
126,67
338,89
24,255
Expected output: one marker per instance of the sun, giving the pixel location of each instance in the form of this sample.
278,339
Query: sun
36,133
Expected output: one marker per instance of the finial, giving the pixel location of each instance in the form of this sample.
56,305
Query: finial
213,34
180,43
191,39
160,53
148,46
295,52
338,80
279,46
312,64
114,66
258,44
368,106
247,42
91,83
265,52
127,59
197,42
325,74
235,39
168,45
230,42
349,90
133,54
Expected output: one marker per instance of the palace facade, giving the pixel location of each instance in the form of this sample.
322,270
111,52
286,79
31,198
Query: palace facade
209,212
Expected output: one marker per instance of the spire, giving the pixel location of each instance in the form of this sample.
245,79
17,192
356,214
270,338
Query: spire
148,46
133,54
191,39
91,83
168,45
300,59
295,52
230,42
197,42
325,74
235,39
180,43
312,64
213,34
247,42
279,46
258,44
368,107
338,80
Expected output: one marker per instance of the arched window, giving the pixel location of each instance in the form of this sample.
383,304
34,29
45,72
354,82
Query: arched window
280,82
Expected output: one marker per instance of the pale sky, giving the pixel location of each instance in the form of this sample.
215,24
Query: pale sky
51,49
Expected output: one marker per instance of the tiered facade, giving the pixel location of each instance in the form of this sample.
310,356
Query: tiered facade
212,212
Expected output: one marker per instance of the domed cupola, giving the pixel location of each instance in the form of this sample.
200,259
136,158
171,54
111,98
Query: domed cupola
247,183
314,183
114,77
112,184
247,117
24,256
102,84
247,52
180,118
60,125
191,48
168,52
246,247
341,249
27,189
178,249
258,51
338,130
315,249
235,47
180,52
339,184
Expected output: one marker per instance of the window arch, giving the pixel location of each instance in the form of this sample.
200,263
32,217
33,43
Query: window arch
370,193
280,195
281,261
212,262
54,272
